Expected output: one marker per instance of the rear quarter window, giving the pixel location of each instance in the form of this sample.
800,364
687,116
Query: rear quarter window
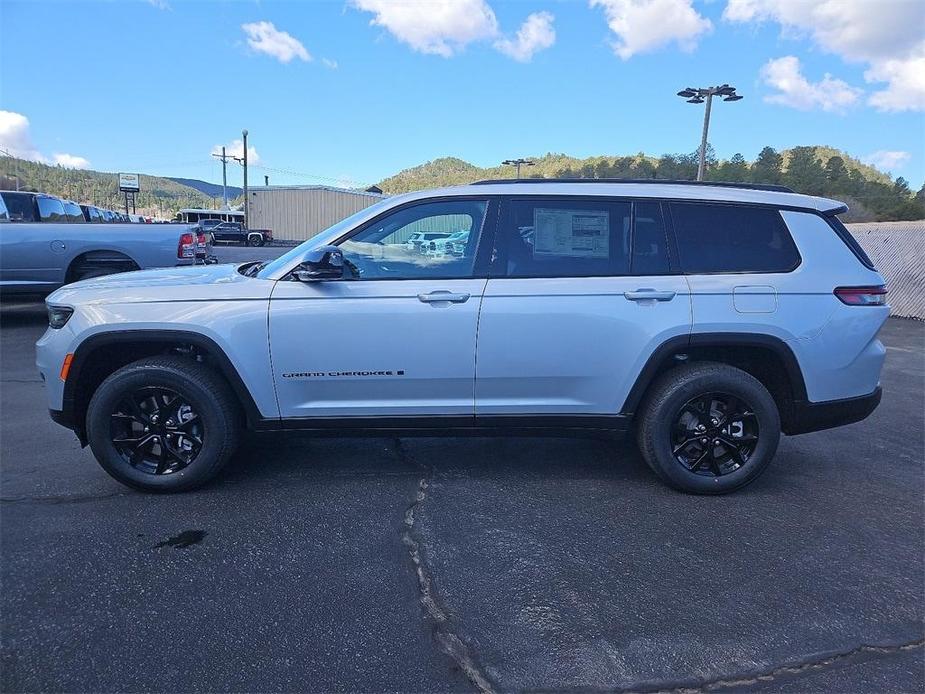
716,238
51,209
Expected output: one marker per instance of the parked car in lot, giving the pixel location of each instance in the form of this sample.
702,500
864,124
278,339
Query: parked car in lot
235,233
418,240
43,246
704,319
454,244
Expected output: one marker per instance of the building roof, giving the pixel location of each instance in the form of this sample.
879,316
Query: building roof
332,189
636,189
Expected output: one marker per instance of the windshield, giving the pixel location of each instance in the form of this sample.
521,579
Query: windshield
329,234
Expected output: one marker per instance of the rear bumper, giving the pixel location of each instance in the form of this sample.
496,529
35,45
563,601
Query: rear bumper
816,416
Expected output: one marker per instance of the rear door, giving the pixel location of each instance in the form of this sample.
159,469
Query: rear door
581,291
396,336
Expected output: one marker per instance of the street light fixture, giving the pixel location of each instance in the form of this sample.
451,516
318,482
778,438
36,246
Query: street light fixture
697,95
518,163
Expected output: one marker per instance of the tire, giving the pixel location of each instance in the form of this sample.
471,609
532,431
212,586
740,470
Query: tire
698,395
205,400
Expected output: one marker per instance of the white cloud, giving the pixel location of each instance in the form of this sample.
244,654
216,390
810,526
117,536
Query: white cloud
794,90
906,83
235,148
887,160
16,139
70,161
535,34
328,63
446,27
160,4
438,27
886,35
263,37
643,26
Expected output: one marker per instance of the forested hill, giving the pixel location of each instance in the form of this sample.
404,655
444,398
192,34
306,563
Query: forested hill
159,196
815,170
213,190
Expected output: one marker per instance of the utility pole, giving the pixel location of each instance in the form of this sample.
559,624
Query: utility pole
224,157
244,135
697,95
518,163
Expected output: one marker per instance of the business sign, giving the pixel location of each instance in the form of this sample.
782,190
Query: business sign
128,183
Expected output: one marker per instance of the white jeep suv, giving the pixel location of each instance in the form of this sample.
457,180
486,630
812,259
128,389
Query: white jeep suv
705,319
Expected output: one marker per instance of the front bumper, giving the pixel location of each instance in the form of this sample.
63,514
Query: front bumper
816,416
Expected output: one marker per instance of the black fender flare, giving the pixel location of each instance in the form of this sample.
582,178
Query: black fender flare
682,343
155,336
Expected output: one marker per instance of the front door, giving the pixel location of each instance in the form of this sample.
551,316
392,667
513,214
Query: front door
581,292
395,337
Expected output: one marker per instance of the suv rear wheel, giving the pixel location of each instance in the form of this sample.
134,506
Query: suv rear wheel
708,428
163,424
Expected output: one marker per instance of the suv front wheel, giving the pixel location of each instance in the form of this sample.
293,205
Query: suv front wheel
163,424
708,428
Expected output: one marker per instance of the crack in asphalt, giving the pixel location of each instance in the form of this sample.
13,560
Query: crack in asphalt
449,641
61,499
795,668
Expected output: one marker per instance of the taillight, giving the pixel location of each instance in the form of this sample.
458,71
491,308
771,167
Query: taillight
862,296
187,246
201,239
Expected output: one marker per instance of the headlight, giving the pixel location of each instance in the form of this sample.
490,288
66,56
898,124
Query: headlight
58,316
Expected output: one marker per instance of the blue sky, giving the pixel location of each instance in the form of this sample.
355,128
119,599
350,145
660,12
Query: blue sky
355,91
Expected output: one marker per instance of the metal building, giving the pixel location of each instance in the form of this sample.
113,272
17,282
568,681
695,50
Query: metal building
297,213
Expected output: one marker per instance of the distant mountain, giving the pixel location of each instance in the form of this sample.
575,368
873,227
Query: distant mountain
213,190
815,170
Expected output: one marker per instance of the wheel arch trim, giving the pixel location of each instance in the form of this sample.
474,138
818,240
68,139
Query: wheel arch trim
94,342
678,345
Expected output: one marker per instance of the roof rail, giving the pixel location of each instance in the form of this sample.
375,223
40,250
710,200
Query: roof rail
657,181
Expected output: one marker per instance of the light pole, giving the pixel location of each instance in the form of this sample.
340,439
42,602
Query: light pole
518,163
697,96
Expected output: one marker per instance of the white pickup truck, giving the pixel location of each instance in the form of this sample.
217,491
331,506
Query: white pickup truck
45,244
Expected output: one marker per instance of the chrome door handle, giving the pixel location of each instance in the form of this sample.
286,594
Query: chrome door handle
649,294
443,297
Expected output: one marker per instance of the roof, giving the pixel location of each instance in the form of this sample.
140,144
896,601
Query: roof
198,210
332,189
653,189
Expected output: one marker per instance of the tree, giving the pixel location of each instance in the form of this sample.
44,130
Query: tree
804,171
835,169
768,167
735,170
643,168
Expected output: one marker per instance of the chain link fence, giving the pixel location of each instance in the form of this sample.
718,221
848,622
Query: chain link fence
898,252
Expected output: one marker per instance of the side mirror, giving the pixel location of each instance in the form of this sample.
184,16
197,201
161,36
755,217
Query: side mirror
325,263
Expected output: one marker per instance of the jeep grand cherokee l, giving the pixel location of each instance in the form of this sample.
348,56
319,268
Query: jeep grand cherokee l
703,319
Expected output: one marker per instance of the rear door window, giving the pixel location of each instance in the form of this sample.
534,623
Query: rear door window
563,237
20,207
718,238
650,240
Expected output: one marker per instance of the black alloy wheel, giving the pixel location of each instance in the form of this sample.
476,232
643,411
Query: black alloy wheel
714,434
156,430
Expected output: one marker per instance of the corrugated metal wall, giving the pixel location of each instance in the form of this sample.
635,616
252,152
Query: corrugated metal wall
297,214
898,252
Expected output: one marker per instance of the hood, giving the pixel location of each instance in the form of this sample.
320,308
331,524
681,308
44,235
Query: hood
195,283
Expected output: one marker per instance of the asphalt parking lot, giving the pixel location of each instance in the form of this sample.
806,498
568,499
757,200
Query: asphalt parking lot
432,565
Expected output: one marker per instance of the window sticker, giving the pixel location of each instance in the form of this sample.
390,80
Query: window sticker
571,233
